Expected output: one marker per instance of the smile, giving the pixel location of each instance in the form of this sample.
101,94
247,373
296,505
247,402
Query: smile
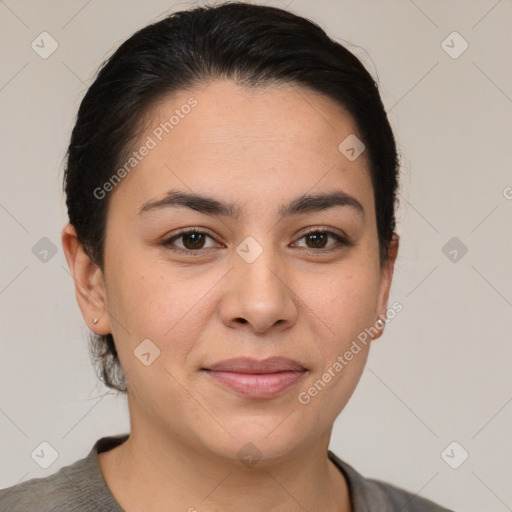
257,385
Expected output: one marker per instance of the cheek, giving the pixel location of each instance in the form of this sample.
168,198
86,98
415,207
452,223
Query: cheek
345,306
344,302
151,303
168,314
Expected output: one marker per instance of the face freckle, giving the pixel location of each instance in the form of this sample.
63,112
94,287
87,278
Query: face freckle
257,149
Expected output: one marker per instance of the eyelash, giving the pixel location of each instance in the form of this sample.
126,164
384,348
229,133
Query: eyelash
343,241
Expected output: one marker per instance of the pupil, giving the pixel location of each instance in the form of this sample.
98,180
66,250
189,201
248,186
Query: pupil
189,236
316,237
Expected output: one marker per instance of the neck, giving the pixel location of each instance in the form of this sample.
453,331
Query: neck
156,472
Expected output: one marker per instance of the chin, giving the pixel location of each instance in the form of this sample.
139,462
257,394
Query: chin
252,440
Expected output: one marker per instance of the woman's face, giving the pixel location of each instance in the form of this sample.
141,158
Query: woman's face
253,284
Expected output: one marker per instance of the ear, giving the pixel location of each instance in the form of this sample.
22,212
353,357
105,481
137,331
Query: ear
89,284
385,284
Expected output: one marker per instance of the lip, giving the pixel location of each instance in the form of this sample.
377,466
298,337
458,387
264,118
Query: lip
257,378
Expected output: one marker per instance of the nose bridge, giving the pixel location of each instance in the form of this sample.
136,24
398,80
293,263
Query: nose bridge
259,290
258,267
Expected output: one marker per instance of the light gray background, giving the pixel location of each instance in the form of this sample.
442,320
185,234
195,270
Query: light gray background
441,372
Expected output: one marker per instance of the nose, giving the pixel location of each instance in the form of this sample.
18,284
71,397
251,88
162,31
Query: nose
259,294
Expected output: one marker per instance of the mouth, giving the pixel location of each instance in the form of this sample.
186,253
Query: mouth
253,378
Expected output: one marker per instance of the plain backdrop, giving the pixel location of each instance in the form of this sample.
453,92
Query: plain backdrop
441,372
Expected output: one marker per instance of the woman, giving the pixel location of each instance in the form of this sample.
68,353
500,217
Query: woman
230,184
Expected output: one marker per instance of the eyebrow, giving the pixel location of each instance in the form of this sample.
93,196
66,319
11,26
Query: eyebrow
307,203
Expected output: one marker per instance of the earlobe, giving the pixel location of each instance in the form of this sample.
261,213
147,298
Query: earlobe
88,280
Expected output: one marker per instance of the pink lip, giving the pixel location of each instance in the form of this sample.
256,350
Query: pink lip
257,379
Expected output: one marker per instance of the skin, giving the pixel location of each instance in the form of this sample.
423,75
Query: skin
258,148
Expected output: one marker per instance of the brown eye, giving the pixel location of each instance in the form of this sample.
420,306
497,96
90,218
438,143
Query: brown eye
192,240
317,240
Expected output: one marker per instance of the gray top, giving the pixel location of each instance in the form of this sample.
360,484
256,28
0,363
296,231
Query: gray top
80,487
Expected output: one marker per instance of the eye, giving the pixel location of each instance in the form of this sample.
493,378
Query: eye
316,240
193,240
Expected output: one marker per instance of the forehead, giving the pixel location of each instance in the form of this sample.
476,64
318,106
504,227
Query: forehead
256,143
227,115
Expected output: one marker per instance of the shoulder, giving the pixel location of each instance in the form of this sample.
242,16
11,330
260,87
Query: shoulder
370,495
385,496
78,487
48,494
